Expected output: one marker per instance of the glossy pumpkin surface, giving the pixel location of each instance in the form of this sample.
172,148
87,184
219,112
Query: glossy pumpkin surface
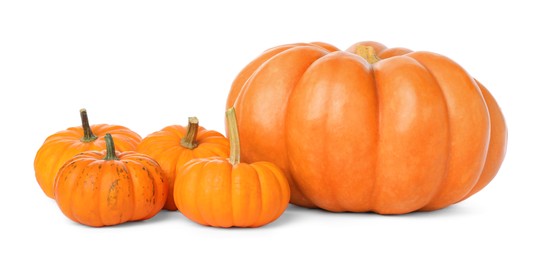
224,192
104,188
371,128
175,145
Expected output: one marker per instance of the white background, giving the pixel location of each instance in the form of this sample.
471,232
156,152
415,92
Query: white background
146,65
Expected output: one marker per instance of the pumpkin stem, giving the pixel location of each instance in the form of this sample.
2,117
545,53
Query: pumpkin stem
368,53
234,139
189,141
88,135
111,153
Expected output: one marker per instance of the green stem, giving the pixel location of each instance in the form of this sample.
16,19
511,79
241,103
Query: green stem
234,139
88,134
111,152
368,53
189,141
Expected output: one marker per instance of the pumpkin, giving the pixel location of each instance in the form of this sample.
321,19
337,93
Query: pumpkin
224,192
63,145
104,188
175,145
372,128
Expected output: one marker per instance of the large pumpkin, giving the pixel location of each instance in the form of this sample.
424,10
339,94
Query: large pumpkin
372,128
63,145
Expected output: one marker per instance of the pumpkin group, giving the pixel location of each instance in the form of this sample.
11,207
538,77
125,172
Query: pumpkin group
372,128
368,129
63,145
103,188
224,192
175,145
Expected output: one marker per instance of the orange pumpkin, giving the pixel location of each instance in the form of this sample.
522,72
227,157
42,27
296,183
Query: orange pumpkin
175,145
103,188
223,192
372,128
63,145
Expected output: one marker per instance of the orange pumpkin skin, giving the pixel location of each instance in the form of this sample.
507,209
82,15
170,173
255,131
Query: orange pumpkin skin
410,131
213,192
63,145
168,149
223,192
95,190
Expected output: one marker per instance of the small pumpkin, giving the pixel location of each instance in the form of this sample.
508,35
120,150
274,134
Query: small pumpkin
371,128
175,145
223,192
104,188
63,145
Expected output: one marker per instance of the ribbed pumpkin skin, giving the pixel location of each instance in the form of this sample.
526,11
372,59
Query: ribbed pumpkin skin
63,145
213,192
165,147
412,131
97,192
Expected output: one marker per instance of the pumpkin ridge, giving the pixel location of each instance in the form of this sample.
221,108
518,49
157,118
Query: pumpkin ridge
449,131
190,185
287,157
262,173
131,189
290,176
306,55
277,178
337,199
233,203
264,168
496,118
230,199
488,143
309,83
333,193
373,193
71,198
155,193
76,185
409,165
434,204
200,206
218,220
281,178
100,178
260,194
489,139
244,208
260,214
